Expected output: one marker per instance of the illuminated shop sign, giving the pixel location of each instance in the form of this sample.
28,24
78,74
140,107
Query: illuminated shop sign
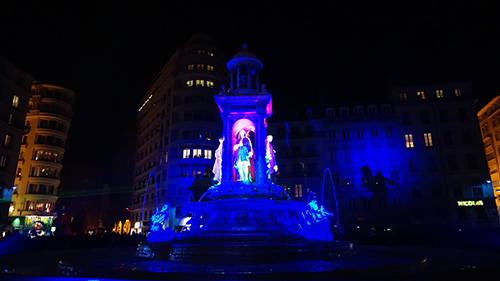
470,203
45,219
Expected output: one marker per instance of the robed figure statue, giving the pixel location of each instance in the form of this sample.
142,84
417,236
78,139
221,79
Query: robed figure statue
242,152
217,169
272,167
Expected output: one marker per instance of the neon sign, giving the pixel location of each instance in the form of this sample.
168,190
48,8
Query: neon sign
470,203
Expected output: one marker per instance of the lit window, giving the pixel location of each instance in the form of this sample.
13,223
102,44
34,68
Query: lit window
298,190
457,92
439,94
208,154
39,206
210,54
7,140
403,96
409,140
3,161
210,83
191,67
197,152
428,139
186,153
30,205
201,52
210,67
421,95
200,66
189,83
200,82
15,101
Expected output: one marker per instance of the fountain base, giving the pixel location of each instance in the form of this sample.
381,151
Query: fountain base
248,231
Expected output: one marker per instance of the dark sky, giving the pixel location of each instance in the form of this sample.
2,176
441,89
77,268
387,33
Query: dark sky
109,51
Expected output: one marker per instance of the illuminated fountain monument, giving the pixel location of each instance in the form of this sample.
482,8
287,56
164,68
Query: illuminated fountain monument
244,224
245,217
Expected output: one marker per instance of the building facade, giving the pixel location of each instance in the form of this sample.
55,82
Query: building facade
178,127
346,156
40,157
363,159
406,164
299,140
15,91
489,122
444,160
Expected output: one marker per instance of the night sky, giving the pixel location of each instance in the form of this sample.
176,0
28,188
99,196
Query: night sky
108,52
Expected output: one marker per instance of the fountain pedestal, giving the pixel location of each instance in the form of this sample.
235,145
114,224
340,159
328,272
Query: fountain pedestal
249,230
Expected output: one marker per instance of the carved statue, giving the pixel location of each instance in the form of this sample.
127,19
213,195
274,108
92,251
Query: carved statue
242,152
159,217
270,159
263,88
218,161
315,213
222,90
158,232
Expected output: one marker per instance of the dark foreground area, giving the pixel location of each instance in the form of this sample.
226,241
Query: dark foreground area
113,258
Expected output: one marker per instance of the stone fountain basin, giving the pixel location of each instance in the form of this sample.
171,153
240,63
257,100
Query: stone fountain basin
369,263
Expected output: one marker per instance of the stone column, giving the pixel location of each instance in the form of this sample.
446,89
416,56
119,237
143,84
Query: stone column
227,151
238,77
260,148
249,77
232,79
257,80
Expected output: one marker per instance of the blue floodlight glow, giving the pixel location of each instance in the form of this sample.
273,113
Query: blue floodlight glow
156,190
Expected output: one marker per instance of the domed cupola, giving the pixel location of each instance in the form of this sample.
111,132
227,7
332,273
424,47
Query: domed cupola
245,70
